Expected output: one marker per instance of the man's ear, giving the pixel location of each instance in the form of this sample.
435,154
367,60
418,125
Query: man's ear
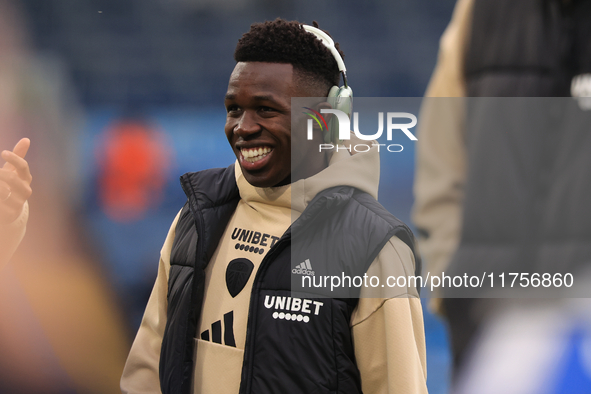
324,105
327,117
329,135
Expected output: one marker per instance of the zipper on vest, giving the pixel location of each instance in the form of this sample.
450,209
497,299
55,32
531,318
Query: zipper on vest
252,311
196,307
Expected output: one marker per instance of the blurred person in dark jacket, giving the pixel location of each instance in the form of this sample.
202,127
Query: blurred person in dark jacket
496,186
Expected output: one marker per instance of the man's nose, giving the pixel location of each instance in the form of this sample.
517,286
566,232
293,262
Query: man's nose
247,124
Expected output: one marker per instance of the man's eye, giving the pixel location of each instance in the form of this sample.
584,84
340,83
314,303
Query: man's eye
232,108
267,109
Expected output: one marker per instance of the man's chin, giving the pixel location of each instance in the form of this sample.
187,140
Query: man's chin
260,180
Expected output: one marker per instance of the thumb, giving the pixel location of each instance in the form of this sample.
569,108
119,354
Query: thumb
20,149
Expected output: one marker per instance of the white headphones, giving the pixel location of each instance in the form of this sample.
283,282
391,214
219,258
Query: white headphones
340,98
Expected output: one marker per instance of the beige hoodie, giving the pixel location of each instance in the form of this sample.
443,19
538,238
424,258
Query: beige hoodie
387,331
440,171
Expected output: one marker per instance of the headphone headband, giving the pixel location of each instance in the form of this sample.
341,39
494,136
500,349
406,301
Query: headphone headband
329,43
339,98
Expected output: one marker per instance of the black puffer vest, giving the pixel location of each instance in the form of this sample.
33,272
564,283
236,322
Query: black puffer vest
313,351
527,48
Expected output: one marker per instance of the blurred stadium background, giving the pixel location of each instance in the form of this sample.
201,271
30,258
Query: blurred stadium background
119,98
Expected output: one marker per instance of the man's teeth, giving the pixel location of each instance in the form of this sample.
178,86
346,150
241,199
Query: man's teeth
255,154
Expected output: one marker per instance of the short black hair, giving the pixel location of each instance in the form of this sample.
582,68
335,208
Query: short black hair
282,41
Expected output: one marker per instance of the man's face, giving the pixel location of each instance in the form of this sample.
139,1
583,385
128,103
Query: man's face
258,124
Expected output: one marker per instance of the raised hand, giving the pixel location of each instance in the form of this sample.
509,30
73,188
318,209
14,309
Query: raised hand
15,182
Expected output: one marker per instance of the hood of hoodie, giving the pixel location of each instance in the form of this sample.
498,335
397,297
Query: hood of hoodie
359,170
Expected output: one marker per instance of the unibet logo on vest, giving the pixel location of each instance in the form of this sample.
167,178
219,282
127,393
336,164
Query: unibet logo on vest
292,308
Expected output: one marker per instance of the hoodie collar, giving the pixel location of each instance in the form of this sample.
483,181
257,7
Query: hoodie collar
360,170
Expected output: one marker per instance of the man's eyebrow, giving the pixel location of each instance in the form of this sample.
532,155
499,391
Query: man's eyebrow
265,98
231,96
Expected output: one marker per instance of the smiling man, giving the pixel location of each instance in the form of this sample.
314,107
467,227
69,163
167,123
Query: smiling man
258,125
221,317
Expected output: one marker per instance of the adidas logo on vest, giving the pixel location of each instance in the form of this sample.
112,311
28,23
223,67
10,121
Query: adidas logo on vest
304,268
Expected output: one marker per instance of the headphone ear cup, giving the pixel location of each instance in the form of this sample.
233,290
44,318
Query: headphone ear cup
344,100
341,99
